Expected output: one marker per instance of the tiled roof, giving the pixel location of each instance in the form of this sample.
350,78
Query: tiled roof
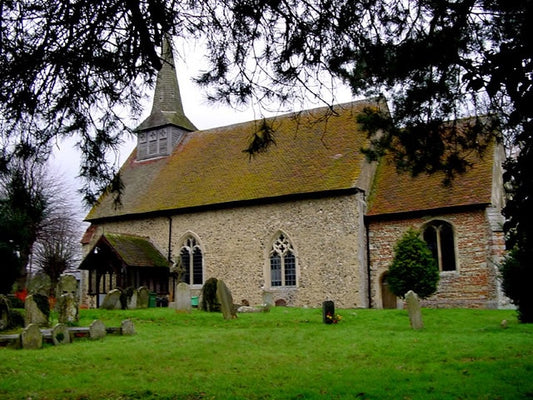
133,251
395,192
314,151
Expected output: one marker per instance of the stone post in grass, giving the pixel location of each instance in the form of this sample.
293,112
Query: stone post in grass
414,310
328,312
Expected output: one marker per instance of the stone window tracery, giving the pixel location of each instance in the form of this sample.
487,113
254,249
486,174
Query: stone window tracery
192,262
282,263
439,236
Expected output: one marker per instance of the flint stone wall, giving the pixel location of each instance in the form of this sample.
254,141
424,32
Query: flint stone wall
327,234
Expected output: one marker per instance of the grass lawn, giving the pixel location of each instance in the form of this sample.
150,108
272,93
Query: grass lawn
285,354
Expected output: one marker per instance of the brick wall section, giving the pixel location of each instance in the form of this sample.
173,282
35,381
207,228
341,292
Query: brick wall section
478,250
327,235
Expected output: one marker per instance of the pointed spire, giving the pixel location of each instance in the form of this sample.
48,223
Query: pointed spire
167,108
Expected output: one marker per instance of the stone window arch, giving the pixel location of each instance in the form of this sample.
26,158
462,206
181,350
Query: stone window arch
282,262
440,238
192,261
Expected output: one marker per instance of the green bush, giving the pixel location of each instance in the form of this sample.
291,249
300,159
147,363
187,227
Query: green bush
413,267
517,275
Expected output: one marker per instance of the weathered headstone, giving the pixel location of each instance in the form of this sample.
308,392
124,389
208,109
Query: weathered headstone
414,310
67,309
127,328
183,297
133,299
328,312
97,330
37,310
67,284
112,300
4,312
60,334
226,300
40,284
31,337
143,297
268,298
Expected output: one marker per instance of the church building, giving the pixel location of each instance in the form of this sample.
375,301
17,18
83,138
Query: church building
306,221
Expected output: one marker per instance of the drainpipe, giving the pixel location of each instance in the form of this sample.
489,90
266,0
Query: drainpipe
369,278
169,257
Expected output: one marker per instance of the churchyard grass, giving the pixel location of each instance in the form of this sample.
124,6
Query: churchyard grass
287,353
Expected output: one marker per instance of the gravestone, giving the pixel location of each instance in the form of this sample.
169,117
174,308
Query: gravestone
414,310
4,312
268,298
60,334
67,284
328,312
183,297
40,284
112,300
226,300
143,297
127,328
97,330
67,309
37,310
132,300
31,337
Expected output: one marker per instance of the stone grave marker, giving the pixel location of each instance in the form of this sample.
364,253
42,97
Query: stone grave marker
67,309
112,300
226,300
143,297
133,299
414,310
37,310
31,337
60,334
67,284
97,330
268,298
328,312
127,328
40,284
183,297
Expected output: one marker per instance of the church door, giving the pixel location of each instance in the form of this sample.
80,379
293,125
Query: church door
387,297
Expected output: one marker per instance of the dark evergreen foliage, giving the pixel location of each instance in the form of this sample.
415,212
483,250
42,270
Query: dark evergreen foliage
413,267
517,277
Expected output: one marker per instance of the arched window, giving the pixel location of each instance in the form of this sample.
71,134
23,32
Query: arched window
282,263
439,237
192,262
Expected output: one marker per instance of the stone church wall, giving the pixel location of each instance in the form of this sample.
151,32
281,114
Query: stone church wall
479,246
327,235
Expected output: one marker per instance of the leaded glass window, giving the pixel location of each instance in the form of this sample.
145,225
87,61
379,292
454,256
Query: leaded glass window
282,263
192,262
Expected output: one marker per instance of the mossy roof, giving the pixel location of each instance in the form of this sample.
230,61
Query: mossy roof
396,192
314,151
132,250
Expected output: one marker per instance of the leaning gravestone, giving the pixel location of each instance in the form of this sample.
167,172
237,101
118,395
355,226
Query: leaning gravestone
226,300
414,310
112,300
60,334
40,284
328,312
143,297
183,297
31,337
268,298
127,328
97,330
37,310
